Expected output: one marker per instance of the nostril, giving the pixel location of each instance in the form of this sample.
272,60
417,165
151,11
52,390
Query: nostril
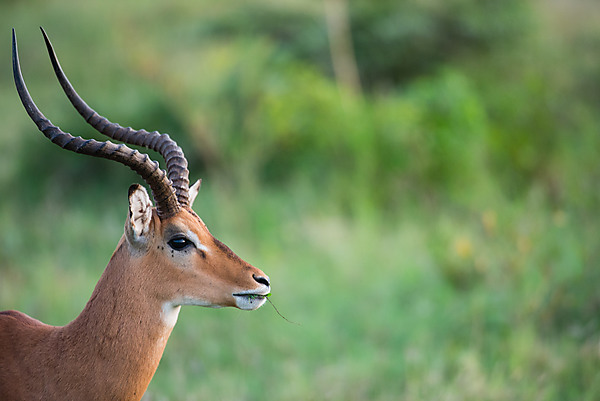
261,280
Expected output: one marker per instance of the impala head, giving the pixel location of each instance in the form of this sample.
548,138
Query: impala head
190,266
175,247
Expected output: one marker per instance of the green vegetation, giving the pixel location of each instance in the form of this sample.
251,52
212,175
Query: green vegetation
434,233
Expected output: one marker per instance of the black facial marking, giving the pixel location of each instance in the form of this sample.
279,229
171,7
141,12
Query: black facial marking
226,250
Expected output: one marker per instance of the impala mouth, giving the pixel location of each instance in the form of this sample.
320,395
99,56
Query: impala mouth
250,300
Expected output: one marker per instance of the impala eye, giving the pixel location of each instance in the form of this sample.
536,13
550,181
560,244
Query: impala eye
179,243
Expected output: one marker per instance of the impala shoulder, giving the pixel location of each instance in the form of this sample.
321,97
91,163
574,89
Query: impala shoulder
13,318
14,326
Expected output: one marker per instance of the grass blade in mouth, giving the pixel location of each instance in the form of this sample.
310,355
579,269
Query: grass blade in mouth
266,296
255,296
276,310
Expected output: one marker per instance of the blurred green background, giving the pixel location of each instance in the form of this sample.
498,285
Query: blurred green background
420,179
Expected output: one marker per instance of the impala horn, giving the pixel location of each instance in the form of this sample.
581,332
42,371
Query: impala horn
176,162
166,195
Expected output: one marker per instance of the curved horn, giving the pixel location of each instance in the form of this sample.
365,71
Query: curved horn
175,160
163,193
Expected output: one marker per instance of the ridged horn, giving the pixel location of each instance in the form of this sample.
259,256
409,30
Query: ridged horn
150,171
177,165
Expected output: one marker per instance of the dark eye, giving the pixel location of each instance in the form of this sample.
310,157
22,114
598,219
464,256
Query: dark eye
179,243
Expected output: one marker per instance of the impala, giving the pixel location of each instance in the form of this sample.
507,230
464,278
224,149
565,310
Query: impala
166,258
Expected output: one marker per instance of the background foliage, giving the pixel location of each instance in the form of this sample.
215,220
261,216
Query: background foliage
434,234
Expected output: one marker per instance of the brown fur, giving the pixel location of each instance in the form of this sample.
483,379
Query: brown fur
112,349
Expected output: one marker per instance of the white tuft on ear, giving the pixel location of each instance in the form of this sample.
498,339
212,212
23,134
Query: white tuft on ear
140,212
194,189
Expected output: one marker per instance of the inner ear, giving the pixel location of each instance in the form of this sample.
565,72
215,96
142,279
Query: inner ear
193,192
140,214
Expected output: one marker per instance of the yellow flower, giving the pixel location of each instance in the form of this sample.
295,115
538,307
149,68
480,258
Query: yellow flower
489,219
463,247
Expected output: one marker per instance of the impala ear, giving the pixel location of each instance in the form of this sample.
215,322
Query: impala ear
139,217
194,189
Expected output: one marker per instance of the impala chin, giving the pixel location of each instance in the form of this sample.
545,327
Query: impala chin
250,300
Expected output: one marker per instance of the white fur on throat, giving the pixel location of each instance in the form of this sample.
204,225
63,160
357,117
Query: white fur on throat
169,314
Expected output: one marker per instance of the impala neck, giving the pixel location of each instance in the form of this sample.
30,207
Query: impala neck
122,332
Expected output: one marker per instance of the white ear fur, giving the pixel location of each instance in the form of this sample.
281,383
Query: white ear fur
194,189
140,213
